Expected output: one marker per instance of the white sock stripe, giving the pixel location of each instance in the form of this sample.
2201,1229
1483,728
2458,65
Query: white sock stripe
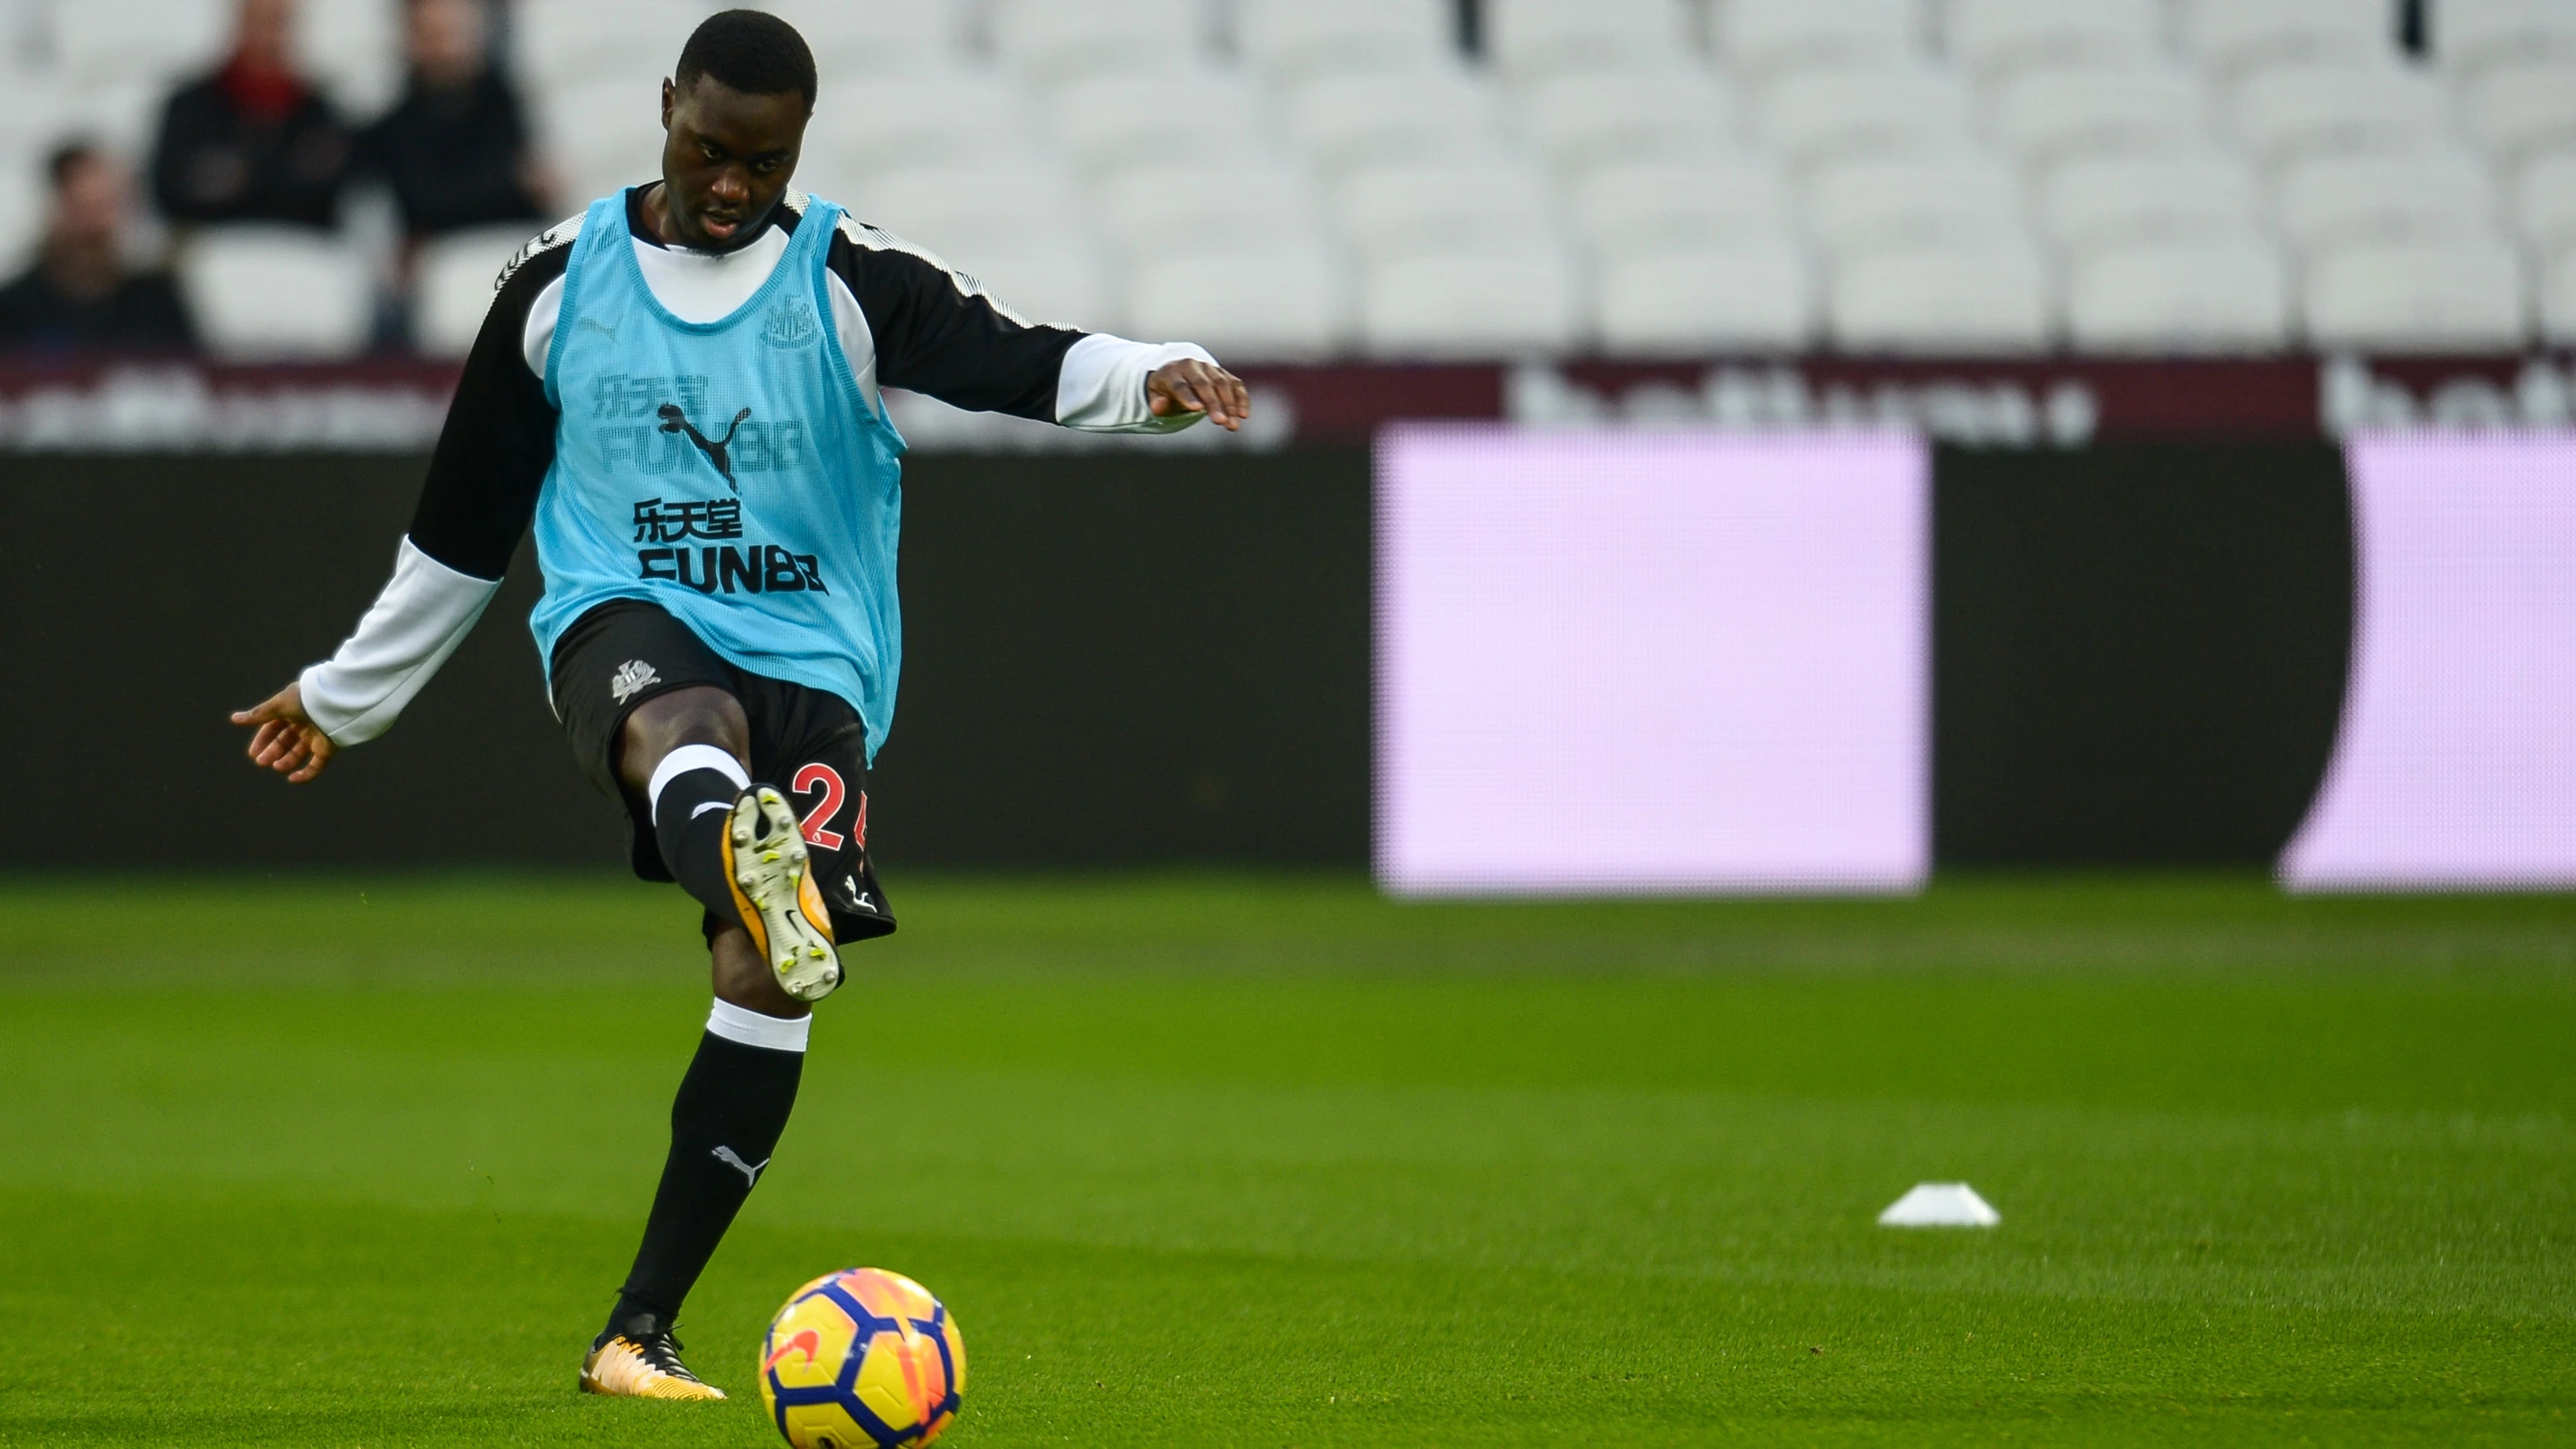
693,757
770,1033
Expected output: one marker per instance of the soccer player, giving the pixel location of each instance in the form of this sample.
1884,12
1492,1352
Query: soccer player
681,389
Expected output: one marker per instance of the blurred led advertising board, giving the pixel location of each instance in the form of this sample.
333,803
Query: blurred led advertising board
1651,662
2455,763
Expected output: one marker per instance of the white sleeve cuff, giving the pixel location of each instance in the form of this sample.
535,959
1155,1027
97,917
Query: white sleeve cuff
420,618
1102,386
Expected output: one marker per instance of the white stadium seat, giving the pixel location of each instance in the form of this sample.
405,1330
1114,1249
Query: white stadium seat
353,49
2518,109
1478,304
271,293
2545,201
606,133
2047,115
1355,120
2235,35
2558,299
873,36
2470,35
1048,280
1289,40
569,42
1537,37
1937,300
1717,202
1820,115
452,284
1993,36
1398,210
2295,110
1761,37
2113,200
1275,303
1585,120
1231,209
1959,200
154,41
2423,195
947,208
958,117
22,210
1197,114
1755,296
2228,295
2417,297
1053,40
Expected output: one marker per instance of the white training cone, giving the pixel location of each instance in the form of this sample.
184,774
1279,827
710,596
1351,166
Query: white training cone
1940,1205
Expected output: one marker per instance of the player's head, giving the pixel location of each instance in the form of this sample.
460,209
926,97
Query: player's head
734,114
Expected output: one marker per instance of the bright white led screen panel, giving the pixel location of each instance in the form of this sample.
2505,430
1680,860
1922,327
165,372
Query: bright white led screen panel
1651,662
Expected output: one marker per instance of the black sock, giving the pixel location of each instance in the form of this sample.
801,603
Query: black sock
690,809
732,1105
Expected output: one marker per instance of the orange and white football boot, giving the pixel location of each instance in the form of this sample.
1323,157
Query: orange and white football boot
646,1367
764,860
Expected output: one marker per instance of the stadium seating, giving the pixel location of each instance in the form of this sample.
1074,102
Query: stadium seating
1248,207
2470,35
2218,294
1942,299
1820,115
1197,113
1957,200
2049,114
972,209
354,49
2558,299
157,40
1257,303
1584,120
873,37
2521,108
1407,208
452,283
1529,38
2088,204
570,42
1053,40
606,133
1753,295
1485,303
2427,297
1289,40
2289,111
1343,121
2545,208
965,117
2238,35
264,293
2422,195
1716,202
1994,36
1763,37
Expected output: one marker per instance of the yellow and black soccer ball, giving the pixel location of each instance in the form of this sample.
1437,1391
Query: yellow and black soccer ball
862,1359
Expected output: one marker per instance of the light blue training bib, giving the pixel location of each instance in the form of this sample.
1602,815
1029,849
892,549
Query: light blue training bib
727,471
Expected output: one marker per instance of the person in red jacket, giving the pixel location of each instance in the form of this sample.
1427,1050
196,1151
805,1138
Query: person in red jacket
254,141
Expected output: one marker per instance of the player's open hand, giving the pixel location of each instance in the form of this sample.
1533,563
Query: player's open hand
287,740
1192,386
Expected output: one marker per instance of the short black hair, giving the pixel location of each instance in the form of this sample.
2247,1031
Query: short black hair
751,51
58,166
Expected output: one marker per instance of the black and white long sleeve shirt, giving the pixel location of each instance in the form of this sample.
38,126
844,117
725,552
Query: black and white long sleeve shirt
905,318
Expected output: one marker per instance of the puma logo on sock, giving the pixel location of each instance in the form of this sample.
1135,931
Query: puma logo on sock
733,1159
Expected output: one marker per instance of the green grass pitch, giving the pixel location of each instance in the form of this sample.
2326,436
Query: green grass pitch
1270,1162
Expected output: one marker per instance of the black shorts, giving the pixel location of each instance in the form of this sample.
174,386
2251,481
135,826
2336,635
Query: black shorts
807,742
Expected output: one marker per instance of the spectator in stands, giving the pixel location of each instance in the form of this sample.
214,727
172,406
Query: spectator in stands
254,141
79,295
456,149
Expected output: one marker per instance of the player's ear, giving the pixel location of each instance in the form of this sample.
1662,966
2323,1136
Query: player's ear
670,94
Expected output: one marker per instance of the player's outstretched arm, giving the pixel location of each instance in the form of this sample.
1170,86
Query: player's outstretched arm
285,738
1193,386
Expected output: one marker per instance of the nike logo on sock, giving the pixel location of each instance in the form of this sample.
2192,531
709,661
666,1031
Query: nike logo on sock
706,805
733,1159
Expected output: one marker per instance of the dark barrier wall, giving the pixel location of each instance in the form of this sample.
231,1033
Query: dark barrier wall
1128,659
2138,652
1108,661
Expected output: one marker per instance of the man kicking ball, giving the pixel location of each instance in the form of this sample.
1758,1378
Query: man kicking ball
680,388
